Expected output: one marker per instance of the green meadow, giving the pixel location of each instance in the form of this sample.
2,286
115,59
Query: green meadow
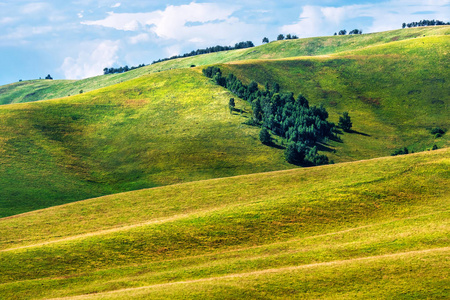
376,228
144,185
173,125
156,130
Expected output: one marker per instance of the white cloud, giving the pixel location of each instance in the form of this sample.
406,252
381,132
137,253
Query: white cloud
194,22
116,5
34,8
91,63
125,21
318,20
7,20
171,23
20,34
173,50
143,37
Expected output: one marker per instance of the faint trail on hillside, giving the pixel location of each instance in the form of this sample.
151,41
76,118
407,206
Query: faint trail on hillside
101,232
178,217
272,270
122,228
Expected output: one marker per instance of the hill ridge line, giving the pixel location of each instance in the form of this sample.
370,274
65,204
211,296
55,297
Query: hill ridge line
181,216
271,270
230,177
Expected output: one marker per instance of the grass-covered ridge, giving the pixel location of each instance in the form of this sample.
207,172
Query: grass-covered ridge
174,126
395,93
376,228
29,91
156,130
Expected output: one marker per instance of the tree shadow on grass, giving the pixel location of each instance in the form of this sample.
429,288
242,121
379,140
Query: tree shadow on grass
357,132
324,147
276,146
336,138
238,111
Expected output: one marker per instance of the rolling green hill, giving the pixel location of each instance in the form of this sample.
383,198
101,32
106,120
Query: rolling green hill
370,229
156,130
395,93
174,126
34,90
184,202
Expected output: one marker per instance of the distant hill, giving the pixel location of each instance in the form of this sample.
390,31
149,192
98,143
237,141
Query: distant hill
34,90
371,229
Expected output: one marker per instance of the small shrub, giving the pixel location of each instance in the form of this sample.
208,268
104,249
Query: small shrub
400,151
437,131
264,136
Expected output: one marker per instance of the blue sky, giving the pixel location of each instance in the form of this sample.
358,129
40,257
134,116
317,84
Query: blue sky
74,39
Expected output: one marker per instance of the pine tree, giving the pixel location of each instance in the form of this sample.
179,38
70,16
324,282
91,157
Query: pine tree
345,122
231,105
264,136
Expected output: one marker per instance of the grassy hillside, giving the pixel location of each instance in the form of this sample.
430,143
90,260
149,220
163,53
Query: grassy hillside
156,130
29,91
174,126
395,93
369,229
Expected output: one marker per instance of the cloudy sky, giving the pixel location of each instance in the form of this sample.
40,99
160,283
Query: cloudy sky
73,39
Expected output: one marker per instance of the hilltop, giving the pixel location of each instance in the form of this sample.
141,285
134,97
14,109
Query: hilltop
167,123
34,90
376,228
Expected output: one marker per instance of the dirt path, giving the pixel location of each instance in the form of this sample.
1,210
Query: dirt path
273,270
178,217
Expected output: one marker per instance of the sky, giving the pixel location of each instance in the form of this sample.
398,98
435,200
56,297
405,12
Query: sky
75,39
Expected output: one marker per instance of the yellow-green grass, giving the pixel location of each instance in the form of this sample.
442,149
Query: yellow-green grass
394,93
28,91
173,126
156,130
370,229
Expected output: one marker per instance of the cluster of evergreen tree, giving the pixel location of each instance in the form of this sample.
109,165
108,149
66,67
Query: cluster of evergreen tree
344,32
241,45
107,71
289,36
423,23
303,126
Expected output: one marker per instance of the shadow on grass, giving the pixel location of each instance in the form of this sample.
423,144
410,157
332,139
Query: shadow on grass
276,146
324,147
336,138
238,111
357,132
251,122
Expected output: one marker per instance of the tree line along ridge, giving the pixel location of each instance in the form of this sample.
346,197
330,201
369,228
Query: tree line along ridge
424,23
